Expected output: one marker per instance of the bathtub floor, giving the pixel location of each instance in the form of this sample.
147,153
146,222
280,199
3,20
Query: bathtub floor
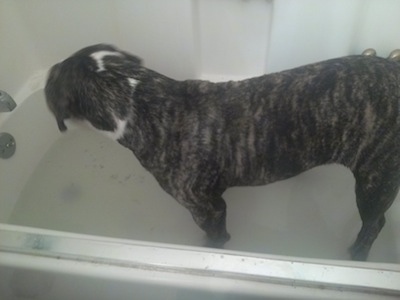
88,184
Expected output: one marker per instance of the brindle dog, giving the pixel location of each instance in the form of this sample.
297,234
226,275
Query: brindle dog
198,138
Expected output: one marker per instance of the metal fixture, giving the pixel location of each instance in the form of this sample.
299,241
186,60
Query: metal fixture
369,52
6,102
395,55
7,145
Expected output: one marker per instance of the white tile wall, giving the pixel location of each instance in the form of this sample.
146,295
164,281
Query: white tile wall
215,39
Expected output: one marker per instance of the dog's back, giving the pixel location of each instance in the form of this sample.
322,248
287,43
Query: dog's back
275,126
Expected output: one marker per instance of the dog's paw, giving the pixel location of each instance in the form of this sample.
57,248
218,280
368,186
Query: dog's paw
217,242
358,252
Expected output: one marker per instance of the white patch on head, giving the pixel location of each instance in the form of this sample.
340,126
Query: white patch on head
98,57
133,82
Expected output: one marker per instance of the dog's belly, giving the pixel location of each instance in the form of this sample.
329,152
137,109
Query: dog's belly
263,170
274,154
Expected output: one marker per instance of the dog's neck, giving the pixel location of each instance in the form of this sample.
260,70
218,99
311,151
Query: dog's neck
153,118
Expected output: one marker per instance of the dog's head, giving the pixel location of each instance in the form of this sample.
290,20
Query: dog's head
94,84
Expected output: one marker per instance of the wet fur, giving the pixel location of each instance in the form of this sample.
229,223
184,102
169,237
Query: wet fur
198,138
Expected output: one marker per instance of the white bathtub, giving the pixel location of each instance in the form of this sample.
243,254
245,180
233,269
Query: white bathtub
81,219
79,208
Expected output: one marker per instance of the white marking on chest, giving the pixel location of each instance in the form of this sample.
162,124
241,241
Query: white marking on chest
114,135
98,57
118,132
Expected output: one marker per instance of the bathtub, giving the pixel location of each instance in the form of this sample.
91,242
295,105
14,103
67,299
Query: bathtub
81,219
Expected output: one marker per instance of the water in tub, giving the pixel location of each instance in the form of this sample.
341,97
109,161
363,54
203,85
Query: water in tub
86,183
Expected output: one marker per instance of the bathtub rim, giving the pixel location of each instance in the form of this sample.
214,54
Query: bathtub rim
348,276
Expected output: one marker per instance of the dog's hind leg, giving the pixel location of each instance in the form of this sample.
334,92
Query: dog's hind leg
375,192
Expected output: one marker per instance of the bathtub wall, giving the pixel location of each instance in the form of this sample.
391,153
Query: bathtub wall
193,39
213,39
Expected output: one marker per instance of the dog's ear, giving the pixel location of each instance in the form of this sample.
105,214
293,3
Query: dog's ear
61,124
56,101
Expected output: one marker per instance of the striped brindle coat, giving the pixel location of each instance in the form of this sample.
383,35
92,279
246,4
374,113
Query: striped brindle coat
199,138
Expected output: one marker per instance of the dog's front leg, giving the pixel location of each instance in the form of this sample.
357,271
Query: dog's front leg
212,219
209,213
